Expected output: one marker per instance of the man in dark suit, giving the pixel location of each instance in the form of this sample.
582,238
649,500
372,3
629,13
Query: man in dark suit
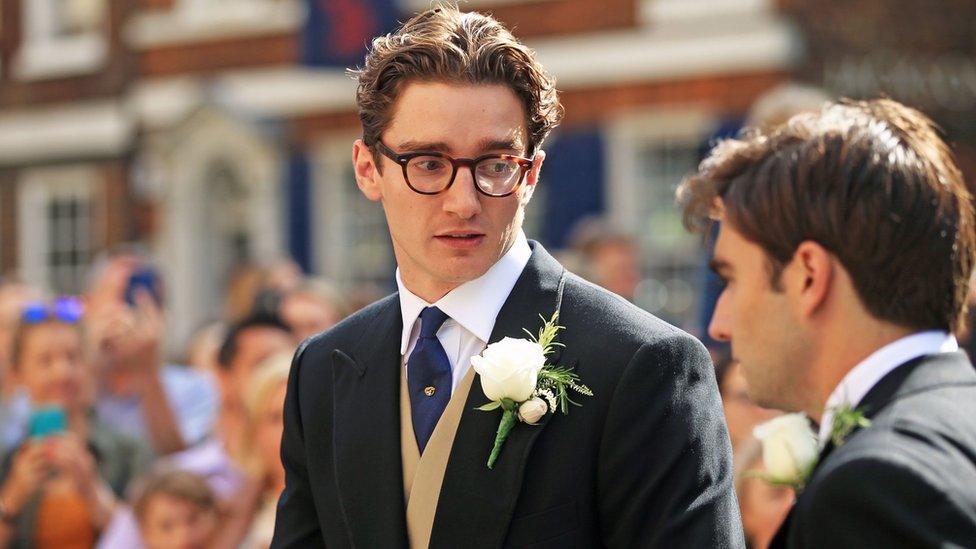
383,446
847,243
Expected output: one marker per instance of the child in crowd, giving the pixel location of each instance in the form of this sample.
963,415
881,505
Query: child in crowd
176,510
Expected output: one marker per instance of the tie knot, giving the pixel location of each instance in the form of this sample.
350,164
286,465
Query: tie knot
431,319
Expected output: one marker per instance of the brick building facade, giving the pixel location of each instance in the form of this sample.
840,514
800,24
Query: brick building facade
219,131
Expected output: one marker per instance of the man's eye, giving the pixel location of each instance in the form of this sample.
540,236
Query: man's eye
428,164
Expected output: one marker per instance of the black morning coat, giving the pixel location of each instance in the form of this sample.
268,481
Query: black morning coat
908,479
645,462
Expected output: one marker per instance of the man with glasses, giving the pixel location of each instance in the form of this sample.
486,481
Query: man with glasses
383,445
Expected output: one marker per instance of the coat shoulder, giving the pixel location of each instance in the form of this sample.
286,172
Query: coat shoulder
607,315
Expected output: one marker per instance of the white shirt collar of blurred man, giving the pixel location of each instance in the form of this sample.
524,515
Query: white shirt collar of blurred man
856,384
475,304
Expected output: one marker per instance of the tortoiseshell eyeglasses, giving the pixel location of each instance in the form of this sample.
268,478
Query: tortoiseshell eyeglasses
433,172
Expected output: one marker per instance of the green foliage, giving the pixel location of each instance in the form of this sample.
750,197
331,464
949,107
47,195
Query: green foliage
846,421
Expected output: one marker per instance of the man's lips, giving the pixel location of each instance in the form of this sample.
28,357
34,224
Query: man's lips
461,239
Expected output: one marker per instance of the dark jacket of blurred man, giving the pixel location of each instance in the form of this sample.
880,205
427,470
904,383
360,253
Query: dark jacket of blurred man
847,242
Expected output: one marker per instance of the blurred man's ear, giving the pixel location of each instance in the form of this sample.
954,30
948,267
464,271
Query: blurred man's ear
364,166
814,274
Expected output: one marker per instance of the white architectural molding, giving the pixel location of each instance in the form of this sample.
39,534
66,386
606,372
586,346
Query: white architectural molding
261,93
466,5
209,21
190,151
660,53
164,102
86,129
286,91
669,12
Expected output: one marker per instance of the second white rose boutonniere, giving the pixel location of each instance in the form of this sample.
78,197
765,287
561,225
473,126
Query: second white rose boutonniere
516,378
789,450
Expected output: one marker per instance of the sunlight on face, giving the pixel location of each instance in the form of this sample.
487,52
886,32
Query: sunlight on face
444,240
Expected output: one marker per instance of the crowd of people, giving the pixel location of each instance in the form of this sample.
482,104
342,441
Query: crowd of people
107,443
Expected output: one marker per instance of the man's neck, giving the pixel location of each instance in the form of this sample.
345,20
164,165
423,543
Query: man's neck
842,352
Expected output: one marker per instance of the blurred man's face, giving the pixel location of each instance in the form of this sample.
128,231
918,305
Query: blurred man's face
758,321
616,266
268,427
255,344
442,241
307,315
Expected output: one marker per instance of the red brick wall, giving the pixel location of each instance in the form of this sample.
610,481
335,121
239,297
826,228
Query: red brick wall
223,54
108,81
727,94
8,221
556,17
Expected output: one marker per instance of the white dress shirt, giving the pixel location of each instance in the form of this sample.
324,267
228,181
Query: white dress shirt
471,309
863,377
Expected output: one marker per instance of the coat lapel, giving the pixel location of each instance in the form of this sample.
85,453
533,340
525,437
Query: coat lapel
366,381
474,498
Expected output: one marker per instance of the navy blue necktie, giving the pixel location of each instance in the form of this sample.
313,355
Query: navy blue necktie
428,377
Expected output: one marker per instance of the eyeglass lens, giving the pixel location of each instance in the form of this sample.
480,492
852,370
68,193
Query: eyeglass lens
493,175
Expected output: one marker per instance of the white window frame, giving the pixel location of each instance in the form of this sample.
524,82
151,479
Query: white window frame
205,20
44,55
36,189
331,242
627,135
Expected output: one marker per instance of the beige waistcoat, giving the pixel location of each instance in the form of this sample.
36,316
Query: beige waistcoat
424,475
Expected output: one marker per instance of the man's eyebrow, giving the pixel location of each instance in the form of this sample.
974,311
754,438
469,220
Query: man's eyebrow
487,144
719,266
410,146
501,144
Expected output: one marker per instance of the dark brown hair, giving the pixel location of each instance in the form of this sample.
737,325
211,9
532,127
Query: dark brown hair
445,45
870,181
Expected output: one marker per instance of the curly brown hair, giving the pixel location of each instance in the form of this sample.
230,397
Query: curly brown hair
870,181
444,45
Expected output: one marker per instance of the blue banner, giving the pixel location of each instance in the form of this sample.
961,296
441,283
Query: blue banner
574,172
338,32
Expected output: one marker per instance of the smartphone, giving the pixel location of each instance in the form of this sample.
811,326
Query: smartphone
45,422
147,279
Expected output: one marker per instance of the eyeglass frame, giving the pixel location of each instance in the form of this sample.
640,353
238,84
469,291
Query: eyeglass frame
525,164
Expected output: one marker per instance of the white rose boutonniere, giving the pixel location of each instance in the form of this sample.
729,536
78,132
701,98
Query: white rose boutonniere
510,369
789,449
515,377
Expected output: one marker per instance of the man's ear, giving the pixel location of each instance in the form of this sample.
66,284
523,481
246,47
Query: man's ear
812,276
364,166
532,177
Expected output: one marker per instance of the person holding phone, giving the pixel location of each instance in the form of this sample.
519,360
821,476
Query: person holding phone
139,393
58,488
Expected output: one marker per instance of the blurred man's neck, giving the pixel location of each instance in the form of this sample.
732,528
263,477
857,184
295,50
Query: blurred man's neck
841,349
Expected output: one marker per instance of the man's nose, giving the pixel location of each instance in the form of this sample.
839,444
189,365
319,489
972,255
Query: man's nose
462,199
720,328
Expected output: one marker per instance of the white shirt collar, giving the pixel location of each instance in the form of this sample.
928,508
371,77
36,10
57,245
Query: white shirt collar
474,304
856,384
